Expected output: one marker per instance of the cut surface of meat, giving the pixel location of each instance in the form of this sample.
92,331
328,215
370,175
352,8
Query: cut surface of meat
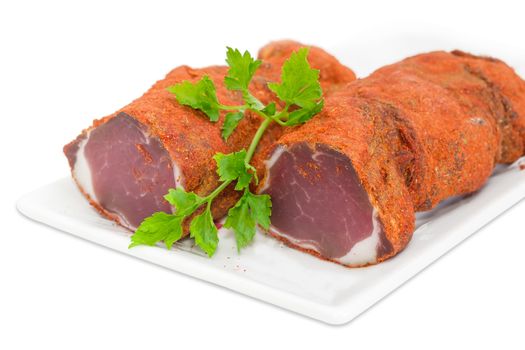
319,204
131,195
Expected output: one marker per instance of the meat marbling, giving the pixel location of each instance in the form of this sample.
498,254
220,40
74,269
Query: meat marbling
320,205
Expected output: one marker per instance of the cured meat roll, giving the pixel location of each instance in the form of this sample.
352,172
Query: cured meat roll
125,163
346,186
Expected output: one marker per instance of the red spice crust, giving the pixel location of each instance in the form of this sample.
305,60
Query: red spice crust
510,89
191,139
421,130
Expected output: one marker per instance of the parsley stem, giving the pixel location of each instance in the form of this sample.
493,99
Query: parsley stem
262,114
255,141
275,117
278,121
256,138
216,191
278,117
233,108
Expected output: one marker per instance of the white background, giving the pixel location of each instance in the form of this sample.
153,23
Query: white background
64,63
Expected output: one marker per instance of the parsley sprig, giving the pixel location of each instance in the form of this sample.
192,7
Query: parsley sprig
300,96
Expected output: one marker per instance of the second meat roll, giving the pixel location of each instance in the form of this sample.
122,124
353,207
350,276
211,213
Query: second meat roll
346,186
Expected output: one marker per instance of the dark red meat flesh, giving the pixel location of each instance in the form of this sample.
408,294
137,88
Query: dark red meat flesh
318,200
130,171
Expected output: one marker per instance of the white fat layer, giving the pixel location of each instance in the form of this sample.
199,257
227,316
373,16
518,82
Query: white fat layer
82,171
269,164
177,175
179,180
363,252
303,243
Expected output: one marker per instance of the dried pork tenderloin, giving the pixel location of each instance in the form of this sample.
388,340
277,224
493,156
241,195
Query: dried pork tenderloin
126,162
345,186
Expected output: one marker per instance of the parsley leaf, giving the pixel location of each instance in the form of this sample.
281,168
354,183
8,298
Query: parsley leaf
230,123
233,166
200,95
242,68
302,115
203,229
242,218
184,202
270,109
261,208
299,82
252,101
242,222
160,226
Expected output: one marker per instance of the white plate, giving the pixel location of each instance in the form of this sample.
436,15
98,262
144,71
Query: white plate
269,271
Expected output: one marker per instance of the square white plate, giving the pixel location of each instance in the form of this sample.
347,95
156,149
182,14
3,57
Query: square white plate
269,271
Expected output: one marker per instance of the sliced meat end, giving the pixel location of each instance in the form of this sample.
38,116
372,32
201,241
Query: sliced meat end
124,171
319,205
